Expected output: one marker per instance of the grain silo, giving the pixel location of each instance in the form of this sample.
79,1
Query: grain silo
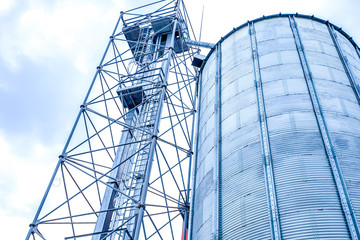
278,143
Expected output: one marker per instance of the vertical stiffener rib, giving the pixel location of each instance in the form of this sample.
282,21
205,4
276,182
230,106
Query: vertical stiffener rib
218,146
268,168
344,62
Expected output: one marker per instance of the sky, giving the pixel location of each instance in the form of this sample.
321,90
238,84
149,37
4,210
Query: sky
49,51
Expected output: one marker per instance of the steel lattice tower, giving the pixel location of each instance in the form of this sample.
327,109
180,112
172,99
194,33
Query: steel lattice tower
124,172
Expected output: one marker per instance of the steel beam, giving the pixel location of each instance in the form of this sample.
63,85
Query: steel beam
199,43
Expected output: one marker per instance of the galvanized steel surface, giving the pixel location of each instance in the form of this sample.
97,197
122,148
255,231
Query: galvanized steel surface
308,72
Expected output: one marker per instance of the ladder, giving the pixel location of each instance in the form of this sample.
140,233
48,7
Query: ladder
133,175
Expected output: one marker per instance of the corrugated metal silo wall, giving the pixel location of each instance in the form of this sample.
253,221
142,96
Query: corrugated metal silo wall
278,146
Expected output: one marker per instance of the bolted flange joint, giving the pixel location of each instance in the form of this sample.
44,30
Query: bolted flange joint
62,158
33,227
140,205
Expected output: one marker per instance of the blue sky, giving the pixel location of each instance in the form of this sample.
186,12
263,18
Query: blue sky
49,51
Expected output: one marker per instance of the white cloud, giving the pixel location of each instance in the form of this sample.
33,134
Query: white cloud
63,29
22,184
6,5
82,64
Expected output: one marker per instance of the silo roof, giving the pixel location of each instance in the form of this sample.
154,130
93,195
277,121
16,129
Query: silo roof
312,17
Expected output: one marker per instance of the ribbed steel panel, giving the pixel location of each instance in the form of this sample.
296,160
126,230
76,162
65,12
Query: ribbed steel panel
294,80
